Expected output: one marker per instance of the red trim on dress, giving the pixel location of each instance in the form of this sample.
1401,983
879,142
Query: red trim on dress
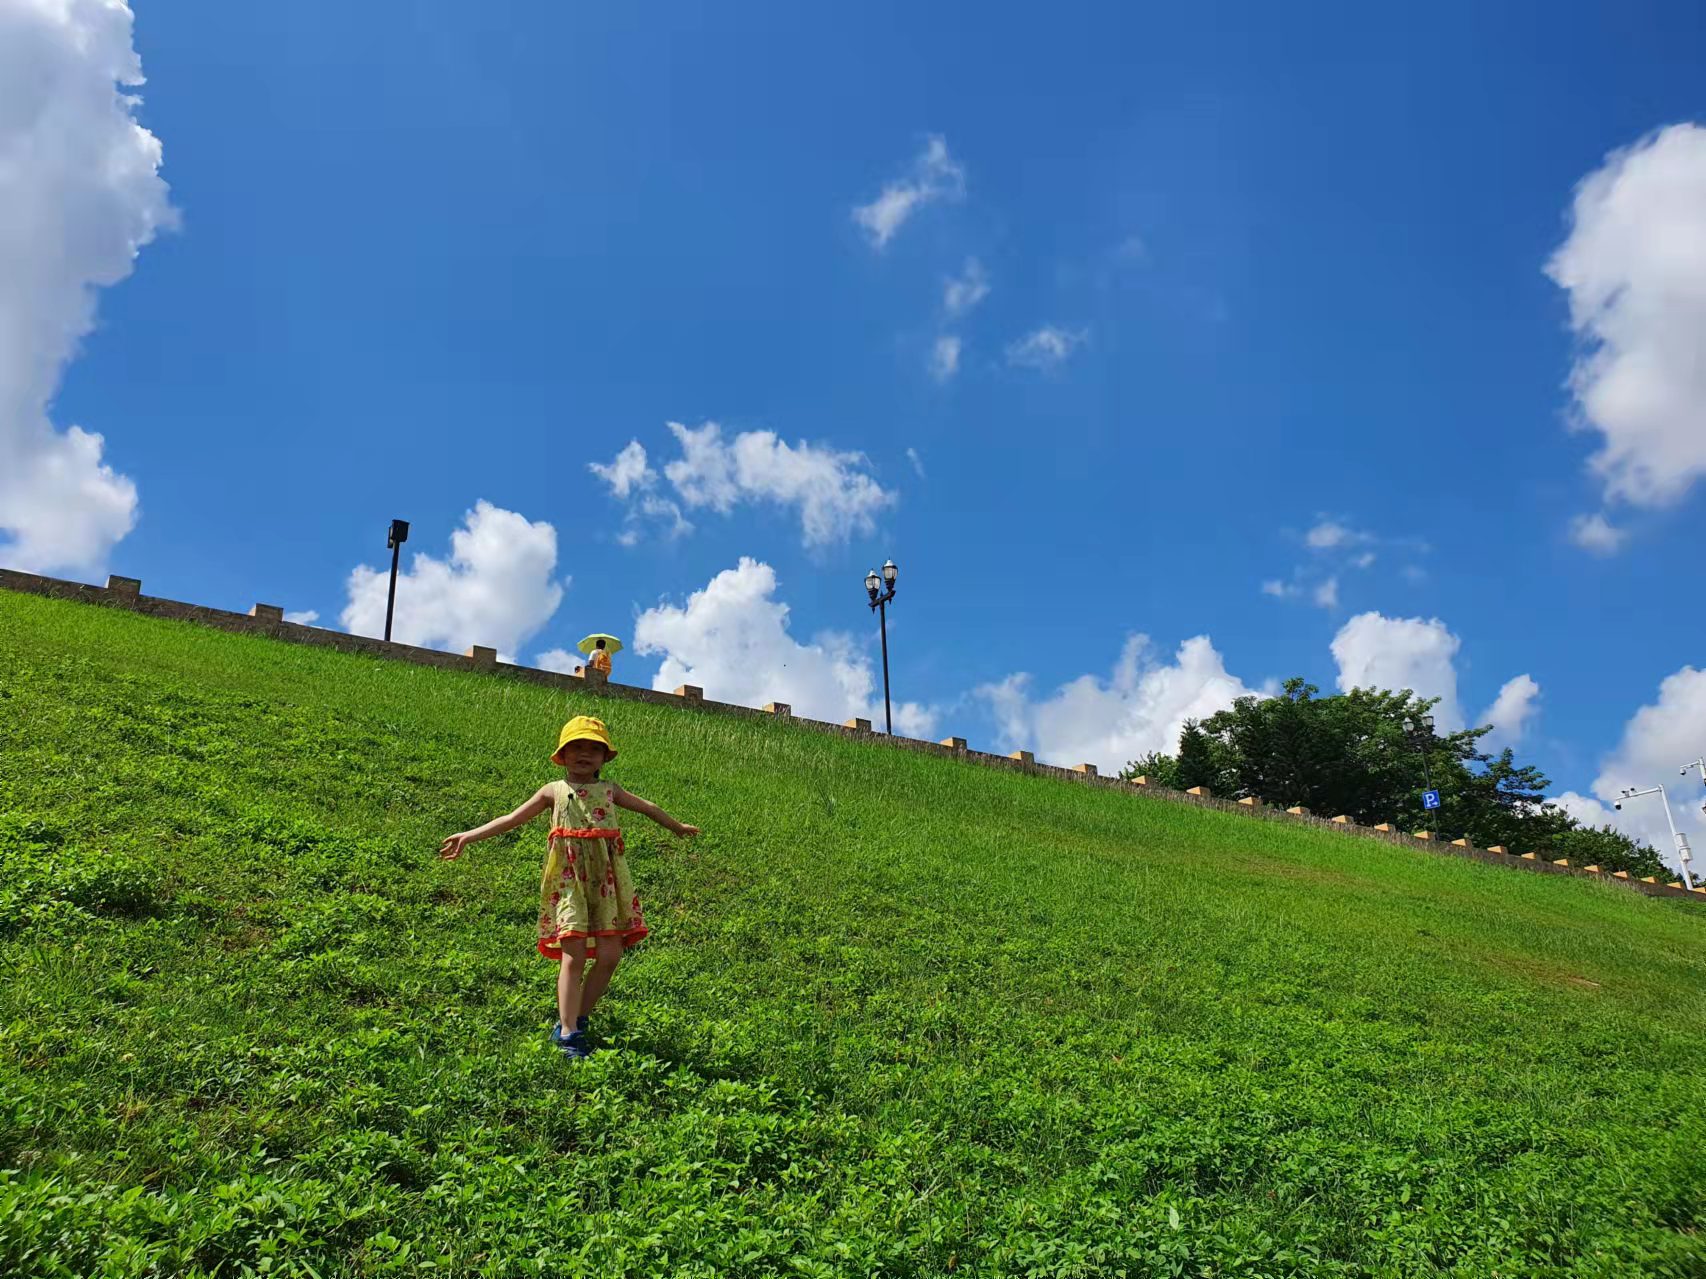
551,948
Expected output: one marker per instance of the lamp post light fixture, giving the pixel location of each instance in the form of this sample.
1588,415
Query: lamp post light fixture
880,601
398,534
1684,856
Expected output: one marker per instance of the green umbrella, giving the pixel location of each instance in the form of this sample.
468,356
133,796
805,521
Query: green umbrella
611,644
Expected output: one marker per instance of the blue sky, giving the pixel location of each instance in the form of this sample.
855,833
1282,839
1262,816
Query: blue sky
1289,267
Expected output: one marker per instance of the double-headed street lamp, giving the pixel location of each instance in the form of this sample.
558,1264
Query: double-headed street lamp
1421,728
1681,840
880,601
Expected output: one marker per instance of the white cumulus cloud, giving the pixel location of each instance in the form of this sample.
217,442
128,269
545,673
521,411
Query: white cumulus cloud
830,490
80,195
934,175
1045,348
1634,266
307,617
732,639
632,479
497,588
1140,707
1657,741
628,472
1517,703
561,660
1395,653
1587,810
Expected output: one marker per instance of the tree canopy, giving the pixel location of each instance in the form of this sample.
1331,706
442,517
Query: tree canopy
1369,754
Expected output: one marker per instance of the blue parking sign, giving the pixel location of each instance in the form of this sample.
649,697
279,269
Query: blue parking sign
1430,799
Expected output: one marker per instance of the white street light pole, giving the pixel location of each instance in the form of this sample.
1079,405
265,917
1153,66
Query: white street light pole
1677,836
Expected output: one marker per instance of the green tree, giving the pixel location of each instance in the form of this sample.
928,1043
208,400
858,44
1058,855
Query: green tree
1161,769
1351,753
1608,849
1203,761
1366,754
1498,802
1277,748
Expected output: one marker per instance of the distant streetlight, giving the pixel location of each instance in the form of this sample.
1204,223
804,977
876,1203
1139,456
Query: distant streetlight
394,539
880,601
1682,852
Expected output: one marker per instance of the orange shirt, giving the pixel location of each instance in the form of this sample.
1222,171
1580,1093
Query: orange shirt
600,661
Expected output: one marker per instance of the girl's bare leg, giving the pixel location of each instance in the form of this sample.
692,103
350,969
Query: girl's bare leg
570,988
603,969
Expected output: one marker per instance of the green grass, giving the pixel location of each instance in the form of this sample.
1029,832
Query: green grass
898,1015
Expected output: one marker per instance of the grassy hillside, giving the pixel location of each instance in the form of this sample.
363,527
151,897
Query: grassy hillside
898,1015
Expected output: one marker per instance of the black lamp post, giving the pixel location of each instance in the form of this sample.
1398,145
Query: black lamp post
394,539
1422,730
880,601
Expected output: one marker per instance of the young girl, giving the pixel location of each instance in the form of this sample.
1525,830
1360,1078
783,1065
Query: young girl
584,852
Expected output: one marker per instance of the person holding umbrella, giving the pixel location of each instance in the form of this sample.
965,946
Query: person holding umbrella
598,648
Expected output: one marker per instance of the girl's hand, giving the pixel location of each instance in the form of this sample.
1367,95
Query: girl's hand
687,832
452,848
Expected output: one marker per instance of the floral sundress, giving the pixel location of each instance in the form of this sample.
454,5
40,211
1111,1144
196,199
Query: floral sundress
586,890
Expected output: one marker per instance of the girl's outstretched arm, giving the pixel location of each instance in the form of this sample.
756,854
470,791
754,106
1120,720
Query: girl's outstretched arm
634,804
540,803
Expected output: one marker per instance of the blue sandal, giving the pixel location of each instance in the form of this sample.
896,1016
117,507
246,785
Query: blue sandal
573,1044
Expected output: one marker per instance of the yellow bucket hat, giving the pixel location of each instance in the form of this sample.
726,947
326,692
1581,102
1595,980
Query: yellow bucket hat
583,728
